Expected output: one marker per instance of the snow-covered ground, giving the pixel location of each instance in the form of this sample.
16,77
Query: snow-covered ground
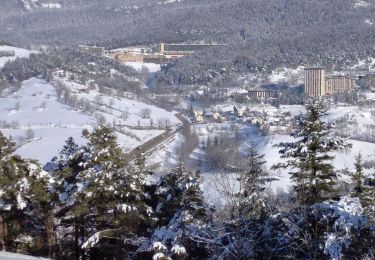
360,4
152,67
134,108
166,156
211,182
19,53
287,75
14,256
361,117
36,106
370,96
365,64
112,107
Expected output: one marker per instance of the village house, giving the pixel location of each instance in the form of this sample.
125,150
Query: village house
198,116
199,119
239,111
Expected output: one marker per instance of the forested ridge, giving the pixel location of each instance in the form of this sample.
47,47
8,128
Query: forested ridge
260,35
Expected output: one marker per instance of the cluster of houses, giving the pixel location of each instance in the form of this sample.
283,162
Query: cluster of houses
268,122
199,117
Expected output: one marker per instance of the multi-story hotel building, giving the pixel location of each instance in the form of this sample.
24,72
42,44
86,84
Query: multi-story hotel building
262,94
315,82
339,84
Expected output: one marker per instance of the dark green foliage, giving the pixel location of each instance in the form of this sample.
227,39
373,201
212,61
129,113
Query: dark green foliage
310,155
358,176
25,203
98,192
169,192
183,216
252,179
364,188
84,66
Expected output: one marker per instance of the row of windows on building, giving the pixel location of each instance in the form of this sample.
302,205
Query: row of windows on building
318,84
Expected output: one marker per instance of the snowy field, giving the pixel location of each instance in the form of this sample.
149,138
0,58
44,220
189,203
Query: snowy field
36,106
115,107
19,53
13,256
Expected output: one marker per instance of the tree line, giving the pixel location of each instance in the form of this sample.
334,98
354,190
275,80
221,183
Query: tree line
260,36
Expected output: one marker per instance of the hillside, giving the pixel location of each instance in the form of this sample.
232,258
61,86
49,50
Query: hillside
38,120
15,53
261,36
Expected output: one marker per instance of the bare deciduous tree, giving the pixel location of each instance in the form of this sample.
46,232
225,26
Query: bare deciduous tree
145,113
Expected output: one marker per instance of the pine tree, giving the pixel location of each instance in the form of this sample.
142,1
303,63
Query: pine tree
98,194
25,202
247,207
252,183
186,214
64,170
368,201
357,176
169,194
364,188
111,194
107,182
311,155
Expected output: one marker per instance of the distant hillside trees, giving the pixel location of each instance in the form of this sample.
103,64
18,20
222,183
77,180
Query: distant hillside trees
260,35
80,65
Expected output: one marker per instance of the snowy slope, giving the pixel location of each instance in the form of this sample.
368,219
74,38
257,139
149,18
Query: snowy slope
31,113
14,256
287,75
211,183
40,111
19,53
36,106
133,107
112,107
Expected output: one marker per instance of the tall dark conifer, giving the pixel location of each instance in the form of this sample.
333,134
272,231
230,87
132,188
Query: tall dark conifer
309,157
358,176
25,207
252,181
